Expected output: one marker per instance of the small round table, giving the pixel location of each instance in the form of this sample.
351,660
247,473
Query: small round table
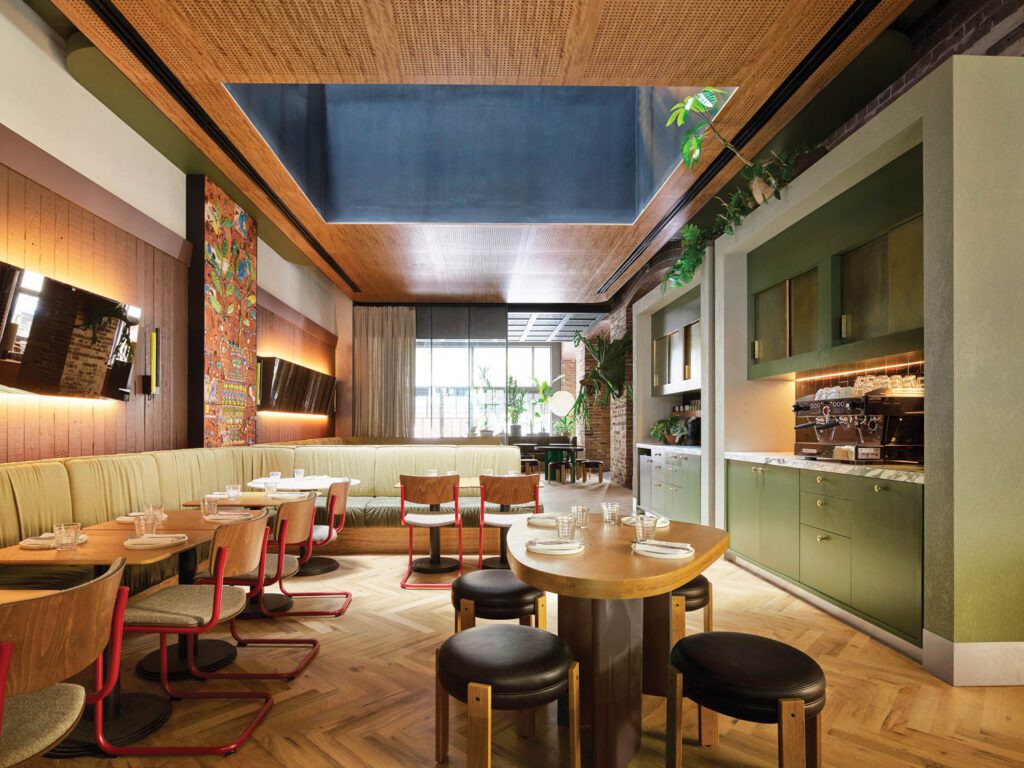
615,612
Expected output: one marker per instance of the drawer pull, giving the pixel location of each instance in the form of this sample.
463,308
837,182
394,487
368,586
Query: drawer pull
821,538
821,503
819,479
754,470
878,488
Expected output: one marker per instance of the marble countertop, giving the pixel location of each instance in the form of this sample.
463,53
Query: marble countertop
693,450
896,472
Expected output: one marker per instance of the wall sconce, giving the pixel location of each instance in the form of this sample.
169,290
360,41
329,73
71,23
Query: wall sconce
151,380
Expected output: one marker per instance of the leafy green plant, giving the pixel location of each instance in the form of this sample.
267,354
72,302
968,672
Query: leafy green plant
607,379
701,105
544,392
487,403
515,400
664,428
565,426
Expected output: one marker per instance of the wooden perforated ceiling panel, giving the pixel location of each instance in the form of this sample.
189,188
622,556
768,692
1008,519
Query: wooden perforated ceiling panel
751,44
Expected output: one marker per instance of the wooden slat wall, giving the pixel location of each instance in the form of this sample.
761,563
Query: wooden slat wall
44,232
280,337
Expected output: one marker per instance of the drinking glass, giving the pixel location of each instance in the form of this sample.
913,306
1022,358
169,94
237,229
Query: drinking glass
270,487
209,505
431,473
610,512
274,476
234,491
298,474
65,535
145,523
646,526
157,510
566,527
581,513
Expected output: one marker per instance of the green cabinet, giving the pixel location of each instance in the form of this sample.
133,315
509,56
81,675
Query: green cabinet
682,489
771,324
763,509
887,557
825,562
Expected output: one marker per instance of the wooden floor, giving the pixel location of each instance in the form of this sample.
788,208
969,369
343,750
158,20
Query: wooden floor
367,700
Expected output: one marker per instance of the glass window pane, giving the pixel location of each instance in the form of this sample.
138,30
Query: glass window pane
542,363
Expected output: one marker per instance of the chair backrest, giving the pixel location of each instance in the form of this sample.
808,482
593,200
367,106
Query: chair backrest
429,490
299,515
337,500
509,489
56,636
243,542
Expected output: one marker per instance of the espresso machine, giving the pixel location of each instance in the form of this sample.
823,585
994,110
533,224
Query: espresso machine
881,426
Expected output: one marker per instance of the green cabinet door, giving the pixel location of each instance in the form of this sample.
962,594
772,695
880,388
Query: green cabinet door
743,508
780,520
887,553
691,489
825,562
771,324
658,500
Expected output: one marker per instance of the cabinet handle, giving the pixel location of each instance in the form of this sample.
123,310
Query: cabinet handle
844,326
878,488
819,479
754,470
821,538
821,503
757,350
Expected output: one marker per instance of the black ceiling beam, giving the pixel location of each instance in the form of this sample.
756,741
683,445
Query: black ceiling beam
818,55
127,34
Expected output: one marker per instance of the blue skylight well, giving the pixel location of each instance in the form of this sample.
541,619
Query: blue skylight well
470,153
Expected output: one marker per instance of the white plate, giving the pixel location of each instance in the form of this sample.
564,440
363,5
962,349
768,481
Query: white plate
46,541
545,551
287,495
159,542
663,522
541,521
227,518
665,554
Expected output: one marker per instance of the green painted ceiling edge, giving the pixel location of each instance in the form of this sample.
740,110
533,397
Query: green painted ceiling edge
102,79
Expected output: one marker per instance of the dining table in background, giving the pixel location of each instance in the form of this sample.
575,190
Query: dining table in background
318,483
615,613
555,453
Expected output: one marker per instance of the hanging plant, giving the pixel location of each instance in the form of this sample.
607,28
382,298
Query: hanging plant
608,377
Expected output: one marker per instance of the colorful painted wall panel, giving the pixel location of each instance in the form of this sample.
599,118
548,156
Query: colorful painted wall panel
222,318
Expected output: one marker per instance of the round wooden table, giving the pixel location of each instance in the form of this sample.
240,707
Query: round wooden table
615,612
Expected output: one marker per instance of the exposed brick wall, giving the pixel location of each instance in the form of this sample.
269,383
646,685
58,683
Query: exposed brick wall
952,27
569,380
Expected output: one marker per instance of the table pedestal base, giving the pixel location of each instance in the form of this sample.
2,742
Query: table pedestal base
435,565
606,637
211,655
273,602
502,560
318,565
140,715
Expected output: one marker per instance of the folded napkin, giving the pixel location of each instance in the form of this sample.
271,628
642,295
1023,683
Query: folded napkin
650,550
156,540
668,544
542,520
292,495
219,494
663,522
46,541
228,516
555,545
126,520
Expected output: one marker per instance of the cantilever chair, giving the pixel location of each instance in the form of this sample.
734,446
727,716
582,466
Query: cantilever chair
337,501
192,610
506,491
432,491
44,641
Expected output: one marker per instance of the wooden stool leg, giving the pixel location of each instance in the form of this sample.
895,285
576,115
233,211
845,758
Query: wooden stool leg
478,703
574,716
458,620
674,719
812,742
440,714
467,614
526,723
678,619
709,621
526,621
707,726
792,730
540,612
600,474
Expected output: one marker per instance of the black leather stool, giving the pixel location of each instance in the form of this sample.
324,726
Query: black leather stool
496,594
591,465
692,596
504,667
750,678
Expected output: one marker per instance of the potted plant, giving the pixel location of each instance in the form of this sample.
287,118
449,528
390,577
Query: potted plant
607,379
664,430
544,392
515,406
565,426
486,404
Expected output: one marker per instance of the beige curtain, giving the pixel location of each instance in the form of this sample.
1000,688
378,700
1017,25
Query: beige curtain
384,352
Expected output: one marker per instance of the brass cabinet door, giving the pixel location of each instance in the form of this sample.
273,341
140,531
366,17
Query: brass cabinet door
865,291
803,313
771,324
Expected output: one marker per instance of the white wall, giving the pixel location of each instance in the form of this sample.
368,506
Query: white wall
304,288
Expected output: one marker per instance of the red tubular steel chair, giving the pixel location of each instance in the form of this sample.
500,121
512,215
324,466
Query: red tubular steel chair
295,525
337,501
43,641
505,490
433,491
192,610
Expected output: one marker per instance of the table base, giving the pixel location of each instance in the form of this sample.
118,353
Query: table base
495,563
273,602
435,565
140,715
211,655
318,565
606,637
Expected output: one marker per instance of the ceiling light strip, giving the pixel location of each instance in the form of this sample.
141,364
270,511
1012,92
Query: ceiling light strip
818,55
110,15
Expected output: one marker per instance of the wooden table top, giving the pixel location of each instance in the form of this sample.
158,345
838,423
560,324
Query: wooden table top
247,500
17,595
308,483
178,521
105,545
607,569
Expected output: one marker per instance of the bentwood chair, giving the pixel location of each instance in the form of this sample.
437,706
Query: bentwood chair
337,501
294,528
432,491
44,641
506,491
194,609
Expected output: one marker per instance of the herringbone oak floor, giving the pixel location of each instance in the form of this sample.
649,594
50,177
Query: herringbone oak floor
367,700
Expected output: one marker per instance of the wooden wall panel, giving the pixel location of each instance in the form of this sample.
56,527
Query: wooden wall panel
44,232
295,339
